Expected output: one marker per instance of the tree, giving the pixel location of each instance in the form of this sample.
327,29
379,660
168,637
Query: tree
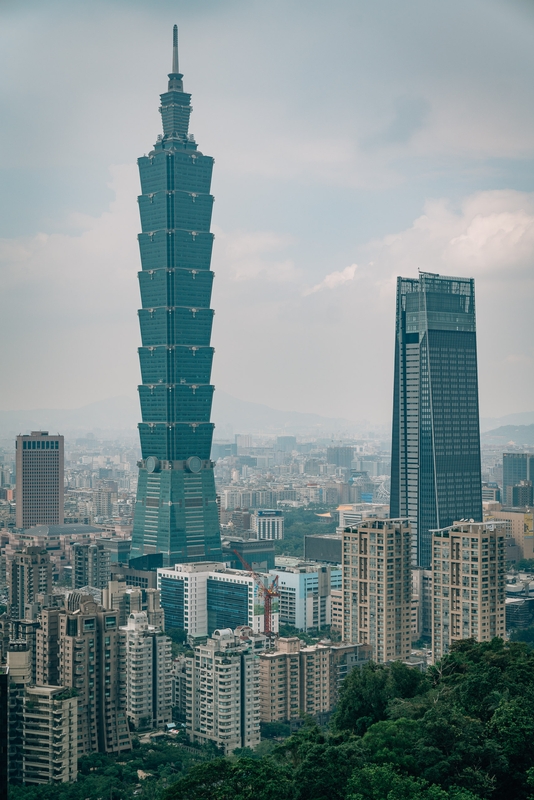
384,783
243,779
367,692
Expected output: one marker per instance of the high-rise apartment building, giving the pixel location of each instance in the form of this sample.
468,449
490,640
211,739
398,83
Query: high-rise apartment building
223,680
92,660
435,465
176,508
516,467
130,600
29,572
296,679
39,463
377,587
280,681
50,749
20,674
47,648
91,566
148,673
468,571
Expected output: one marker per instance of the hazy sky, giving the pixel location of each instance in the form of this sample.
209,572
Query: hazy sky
353,141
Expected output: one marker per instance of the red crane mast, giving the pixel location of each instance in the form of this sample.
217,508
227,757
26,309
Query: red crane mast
267,592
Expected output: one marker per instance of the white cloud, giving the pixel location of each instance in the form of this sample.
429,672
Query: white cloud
68,307
248,255
490,235
334,279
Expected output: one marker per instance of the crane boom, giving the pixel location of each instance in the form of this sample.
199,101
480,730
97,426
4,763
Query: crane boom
267,592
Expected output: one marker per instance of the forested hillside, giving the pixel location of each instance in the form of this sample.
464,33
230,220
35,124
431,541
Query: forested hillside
464,730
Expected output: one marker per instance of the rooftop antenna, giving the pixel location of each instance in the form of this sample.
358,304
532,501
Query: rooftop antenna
175,66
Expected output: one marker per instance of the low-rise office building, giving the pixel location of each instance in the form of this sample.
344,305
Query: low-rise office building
204,597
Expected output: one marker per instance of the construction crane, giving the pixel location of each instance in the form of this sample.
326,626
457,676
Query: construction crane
267,592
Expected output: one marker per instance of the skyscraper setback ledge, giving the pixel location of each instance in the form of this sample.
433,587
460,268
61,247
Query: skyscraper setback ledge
176,509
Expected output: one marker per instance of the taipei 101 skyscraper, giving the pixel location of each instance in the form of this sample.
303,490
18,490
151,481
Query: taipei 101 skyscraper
176,509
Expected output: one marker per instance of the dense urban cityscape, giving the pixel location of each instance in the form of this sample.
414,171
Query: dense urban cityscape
183,610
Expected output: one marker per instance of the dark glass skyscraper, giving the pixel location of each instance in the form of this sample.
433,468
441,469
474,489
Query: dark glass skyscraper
435,466
176,510
516,467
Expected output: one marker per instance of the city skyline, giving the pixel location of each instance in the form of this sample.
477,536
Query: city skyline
421,165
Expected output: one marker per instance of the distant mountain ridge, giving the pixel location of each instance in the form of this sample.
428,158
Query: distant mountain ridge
519,419
522,435
120,415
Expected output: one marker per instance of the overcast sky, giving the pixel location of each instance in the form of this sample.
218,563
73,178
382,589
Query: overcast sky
353,142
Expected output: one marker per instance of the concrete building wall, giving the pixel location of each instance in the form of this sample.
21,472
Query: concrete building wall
377,587
39,464
50,751
223,690
468,565
93,661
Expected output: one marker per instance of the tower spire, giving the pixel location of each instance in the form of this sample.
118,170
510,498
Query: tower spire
175,65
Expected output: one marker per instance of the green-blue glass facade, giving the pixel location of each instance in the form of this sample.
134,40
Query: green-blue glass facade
435,468
176,510
227,604
173,602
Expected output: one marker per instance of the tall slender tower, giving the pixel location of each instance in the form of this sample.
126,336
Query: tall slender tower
435,458
176,509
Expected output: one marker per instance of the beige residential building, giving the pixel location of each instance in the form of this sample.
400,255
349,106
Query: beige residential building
222,684
280,681
92,660
20,671
336,609
39,462
130,600
468,565
50,745
323,667
377,587
296,679
520,527
47,648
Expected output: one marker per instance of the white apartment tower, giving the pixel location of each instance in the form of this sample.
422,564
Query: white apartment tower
223,694
148,673
468,599
377,587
